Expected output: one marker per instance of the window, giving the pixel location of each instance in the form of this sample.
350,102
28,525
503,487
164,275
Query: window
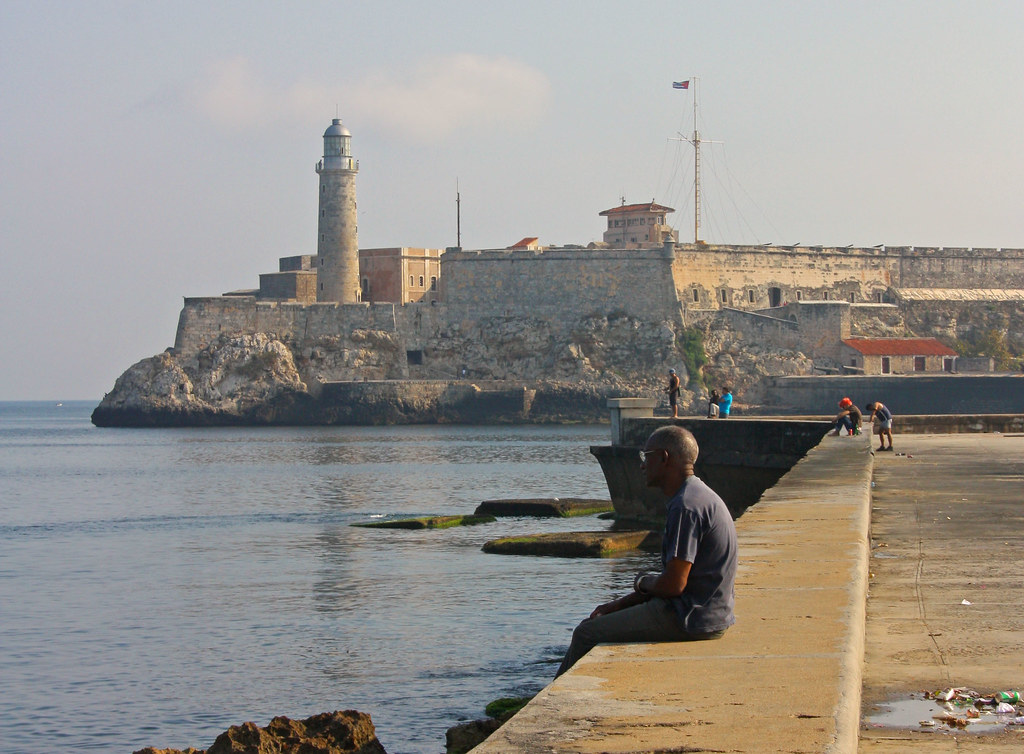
433,283
947,363
750,296
853,298
919,363
421,281
411,284
696,296
878,297
725,296
366,285
799,295
886,368
824,296
414,358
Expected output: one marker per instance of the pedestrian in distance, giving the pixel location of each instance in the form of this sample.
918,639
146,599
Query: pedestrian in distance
725,403
881,419
673,392
692,598
713,404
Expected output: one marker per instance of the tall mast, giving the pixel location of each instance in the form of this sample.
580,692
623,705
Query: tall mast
696,168
696,141
458,215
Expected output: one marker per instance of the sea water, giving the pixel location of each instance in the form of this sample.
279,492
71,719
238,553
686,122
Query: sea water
158,586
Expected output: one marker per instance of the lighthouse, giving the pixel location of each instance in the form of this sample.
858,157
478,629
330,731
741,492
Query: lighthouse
337,239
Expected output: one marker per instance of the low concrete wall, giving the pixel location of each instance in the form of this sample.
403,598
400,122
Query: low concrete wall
739,459
786,677
904,394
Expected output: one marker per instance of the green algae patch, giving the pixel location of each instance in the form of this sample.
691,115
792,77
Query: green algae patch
579,544
506,706
428,522
553,507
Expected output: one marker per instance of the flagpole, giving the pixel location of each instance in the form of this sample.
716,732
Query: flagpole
696,168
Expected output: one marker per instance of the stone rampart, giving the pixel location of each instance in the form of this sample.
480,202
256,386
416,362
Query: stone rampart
759,276
560,282
204,321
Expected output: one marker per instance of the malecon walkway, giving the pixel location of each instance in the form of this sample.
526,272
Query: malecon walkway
820,622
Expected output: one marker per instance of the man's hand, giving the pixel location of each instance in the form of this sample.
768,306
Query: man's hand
634,598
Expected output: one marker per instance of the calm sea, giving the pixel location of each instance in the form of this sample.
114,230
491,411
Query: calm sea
158,586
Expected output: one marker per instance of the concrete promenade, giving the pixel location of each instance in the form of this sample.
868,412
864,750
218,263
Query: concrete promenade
810,644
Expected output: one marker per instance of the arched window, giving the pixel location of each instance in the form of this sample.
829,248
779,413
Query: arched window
433,283
421,281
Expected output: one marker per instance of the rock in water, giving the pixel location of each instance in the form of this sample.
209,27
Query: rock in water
347,732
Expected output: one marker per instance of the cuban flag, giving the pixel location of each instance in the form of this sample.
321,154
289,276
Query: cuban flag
681,84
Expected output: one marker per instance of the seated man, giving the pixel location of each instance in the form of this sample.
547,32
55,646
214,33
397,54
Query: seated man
692,598
848,418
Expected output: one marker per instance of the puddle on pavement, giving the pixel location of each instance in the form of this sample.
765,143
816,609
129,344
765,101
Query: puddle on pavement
919,713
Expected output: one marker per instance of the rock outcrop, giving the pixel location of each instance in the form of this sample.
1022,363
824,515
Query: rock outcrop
347,732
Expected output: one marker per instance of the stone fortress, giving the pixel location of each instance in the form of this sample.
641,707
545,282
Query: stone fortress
413,334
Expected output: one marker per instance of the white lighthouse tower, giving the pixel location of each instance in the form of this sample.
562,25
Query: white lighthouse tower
337,240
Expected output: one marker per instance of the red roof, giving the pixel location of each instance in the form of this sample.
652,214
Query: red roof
524,243
647,206
899,347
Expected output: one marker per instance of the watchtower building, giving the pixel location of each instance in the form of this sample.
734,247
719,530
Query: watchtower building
337,238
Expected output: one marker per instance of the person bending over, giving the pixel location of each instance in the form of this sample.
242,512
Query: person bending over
884,429
692,598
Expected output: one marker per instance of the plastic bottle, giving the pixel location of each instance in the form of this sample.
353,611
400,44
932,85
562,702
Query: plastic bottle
1010,697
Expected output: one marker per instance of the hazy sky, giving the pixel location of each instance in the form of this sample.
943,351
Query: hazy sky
155,150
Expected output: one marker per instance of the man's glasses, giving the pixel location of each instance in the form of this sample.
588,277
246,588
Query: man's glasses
646,455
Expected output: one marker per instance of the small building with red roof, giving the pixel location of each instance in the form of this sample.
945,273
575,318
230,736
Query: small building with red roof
638,226
897,355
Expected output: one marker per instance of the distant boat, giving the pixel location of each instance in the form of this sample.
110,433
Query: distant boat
60,404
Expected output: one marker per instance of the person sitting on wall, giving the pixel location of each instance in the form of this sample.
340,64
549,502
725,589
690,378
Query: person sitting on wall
848,418
692,598
673,392
725,403
713,404
881,418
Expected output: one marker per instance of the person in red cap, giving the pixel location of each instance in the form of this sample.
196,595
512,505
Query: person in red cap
848,418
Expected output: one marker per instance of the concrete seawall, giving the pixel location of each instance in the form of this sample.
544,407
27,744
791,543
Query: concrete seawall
786,677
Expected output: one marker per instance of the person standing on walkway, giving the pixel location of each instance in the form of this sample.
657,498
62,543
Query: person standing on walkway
725,403
673,392
883,415
692,598
713,404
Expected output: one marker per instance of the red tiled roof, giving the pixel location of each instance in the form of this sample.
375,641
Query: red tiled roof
899,347
649,206
524,243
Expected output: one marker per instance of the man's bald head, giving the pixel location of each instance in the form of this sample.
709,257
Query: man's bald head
681,446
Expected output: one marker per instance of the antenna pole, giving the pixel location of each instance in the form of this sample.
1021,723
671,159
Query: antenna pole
696,168
458,215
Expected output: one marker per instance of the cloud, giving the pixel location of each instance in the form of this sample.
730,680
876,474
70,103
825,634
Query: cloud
439,97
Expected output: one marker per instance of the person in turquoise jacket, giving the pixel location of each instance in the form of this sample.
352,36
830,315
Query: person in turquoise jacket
725,403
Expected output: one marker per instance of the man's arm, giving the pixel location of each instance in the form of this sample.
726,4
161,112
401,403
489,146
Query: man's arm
633,598
669,583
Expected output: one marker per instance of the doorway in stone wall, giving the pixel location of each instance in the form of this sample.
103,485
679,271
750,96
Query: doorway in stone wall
774,297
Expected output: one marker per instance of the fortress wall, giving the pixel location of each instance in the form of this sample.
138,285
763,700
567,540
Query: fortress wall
814,271
554,283
741,271
961,268
205,320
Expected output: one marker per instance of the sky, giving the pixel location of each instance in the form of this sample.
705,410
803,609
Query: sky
155,150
